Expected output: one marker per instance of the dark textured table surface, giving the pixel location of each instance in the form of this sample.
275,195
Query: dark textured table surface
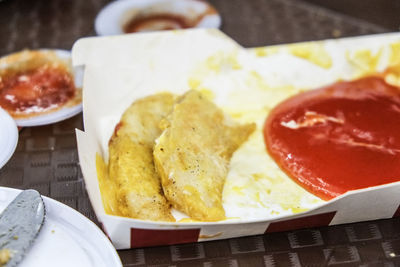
46,157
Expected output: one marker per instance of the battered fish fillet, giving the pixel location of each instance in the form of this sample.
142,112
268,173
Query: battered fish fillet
193,153
131,166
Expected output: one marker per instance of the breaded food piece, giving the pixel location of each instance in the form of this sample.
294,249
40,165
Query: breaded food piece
131,166
193,153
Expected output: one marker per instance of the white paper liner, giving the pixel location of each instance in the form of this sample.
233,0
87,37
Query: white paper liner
121,69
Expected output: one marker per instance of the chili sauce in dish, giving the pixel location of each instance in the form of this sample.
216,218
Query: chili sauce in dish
37,84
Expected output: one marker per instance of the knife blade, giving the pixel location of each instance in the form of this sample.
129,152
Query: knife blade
20,224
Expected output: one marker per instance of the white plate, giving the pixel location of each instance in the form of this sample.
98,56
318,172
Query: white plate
64,112
112,17
67,238
8,137
56,116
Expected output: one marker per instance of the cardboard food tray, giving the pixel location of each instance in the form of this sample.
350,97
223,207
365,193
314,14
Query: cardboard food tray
120,69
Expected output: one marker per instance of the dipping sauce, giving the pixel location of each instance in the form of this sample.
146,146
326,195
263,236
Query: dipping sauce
167,16
157,22
35,89
342,137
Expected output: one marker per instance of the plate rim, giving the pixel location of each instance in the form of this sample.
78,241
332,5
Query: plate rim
12,129
49,202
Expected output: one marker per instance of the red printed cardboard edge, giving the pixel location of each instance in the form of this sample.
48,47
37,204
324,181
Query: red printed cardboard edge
318,220
152,237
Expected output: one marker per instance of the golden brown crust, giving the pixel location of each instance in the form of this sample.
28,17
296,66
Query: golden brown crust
131,167
193,153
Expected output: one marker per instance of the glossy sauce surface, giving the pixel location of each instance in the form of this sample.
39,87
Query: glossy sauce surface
342,137
157,22
36,90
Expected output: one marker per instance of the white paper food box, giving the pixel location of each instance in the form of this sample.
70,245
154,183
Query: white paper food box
120,69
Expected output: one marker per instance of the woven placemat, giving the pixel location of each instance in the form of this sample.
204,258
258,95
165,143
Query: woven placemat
46,157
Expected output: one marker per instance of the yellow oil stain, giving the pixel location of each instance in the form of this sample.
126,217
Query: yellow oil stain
312,52
394,54
222,60
233,62
107,187
277,93
298,209
213,63
257,176
255,79
291,202
238,190
315,201
210,236
265,51
365,61
274,212
392,73
236,115
233,218
257,198
194,83
177,31
187,220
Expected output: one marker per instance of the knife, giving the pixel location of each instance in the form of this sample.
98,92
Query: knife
20,224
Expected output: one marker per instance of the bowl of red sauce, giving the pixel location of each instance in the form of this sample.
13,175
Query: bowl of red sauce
130,16
39,87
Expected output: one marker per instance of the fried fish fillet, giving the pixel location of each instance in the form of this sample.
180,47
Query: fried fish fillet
131,166
193,153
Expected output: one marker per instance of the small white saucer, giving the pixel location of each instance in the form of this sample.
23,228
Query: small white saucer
64,112
113,17
8,137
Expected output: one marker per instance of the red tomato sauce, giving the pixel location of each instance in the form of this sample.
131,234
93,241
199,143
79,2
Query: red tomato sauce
342,137
36,90
157,22
165,21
